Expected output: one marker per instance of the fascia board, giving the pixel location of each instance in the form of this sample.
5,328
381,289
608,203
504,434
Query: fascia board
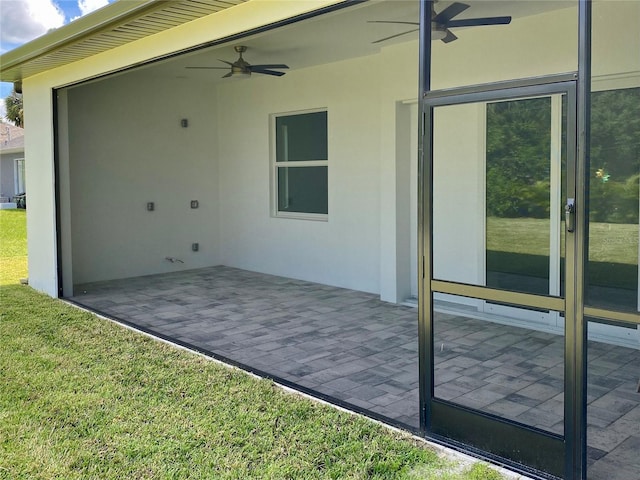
102,19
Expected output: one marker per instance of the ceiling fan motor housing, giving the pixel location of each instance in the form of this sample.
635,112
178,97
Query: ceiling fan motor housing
242,68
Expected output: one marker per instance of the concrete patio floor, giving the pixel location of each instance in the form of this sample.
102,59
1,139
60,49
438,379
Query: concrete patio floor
360,352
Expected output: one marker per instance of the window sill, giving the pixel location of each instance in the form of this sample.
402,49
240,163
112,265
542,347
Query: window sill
317,217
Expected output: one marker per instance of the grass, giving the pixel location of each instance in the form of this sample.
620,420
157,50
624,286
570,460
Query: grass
13,246
521,247
608,242
83,398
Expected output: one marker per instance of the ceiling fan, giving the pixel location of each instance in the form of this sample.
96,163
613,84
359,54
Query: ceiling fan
241,68
443,21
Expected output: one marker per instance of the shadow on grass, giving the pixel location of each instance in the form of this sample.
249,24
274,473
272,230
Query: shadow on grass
603,274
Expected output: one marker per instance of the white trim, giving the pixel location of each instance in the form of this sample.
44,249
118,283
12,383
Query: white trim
555,203
302,163
413,111
17,181
615,81
482,201
318,217
555,175
5,151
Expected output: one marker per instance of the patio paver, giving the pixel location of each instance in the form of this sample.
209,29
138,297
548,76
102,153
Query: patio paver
352,347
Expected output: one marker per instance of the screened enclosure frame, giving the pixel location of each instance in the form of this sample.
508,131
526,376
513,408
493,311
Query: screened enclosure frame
574,442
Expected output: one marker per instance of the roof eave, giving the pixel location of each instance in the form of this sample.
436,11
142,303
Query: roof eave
8,151
104,18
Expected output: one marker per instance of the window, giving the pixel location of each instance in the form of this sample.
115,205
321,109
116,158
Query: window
614,194
300,165
19,176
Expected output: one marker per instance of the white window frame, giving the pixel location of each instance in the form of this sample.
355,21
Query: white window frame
275,165
19,175
553,320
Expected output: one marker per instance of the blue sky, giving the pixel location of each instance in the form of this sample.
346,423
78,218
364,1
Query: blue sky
23,20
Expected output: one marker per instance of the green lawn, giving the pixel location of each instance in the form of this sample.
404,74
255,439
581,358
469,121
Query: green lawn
520,246
608,242
83,398
13,246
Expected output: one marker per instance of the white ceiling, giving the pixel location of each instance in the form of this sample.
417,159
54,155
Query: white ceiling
336,36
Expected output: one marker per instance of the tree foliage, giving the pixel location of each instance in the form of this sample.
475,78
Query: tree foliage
518,157
518,150
615,156
15,112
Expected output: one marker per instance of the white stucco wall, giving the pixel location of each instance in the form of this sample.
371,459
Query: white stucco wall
39,166
361,245
38,108
542,44
345,249
134,151
458,193
127,148
225,155
340,249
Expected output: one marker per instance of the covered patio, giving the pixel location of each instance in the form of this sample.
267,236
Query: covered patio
353,349
281,211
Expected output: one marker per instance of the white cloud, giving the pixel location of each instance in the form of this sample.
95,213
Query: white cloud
88,6
24,20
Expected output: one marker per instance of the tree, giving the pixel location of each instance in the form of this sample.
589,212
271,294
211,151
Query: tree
15,113
615,156
518,152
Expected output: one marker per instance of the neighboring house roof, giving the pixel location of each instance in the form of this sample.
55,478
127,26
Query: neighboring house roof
109,27
11,138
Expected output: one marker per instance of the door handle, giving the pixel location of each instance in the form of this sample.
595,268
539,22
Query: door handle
570,215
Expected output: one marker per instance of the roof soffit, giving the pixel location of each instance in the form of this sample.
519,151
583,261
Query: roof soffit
112,26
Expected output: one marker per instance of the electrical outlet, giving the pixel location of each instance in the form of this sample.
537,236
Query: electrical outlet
151,206
195,247
194,204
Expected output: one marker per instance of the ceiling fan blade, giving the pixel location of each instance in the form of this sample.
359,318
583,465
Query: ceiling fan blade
227,75
391,21
224,61
453,10
269,65
450,37
476,22
210,68
267,72
396,35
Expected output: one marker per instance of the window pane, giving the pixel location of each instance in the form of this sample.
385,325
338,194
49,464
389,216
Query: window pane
518,194
302,189
613,199
496,364
505,232
614,170
301,137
